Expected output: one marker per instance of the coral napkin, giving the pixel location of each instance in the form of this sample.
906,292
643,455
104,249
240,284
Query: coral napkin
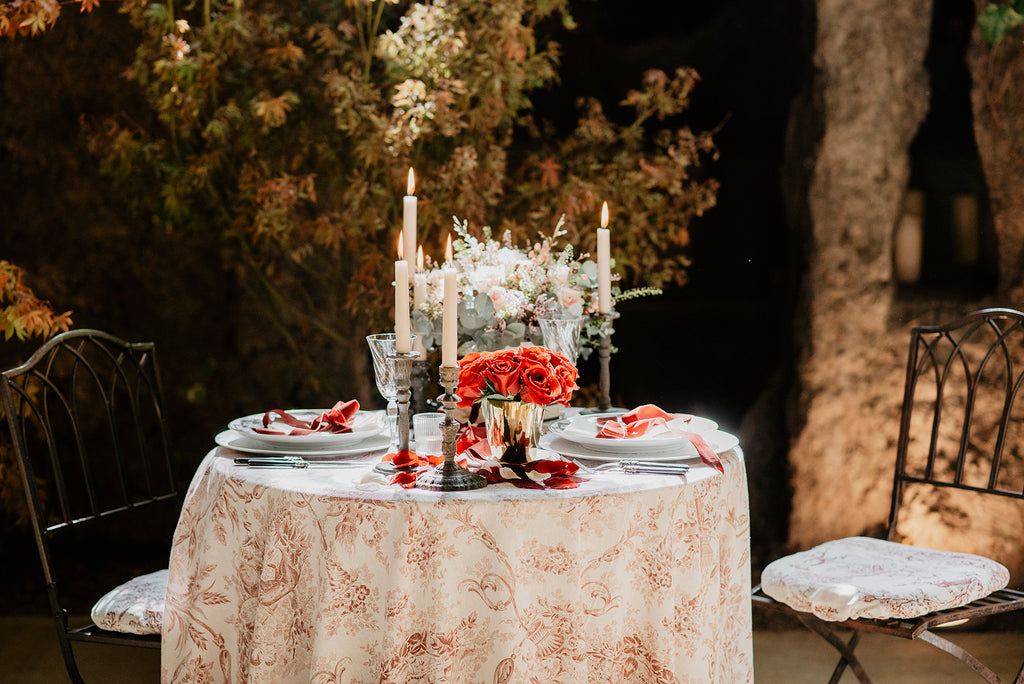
335,420
637,422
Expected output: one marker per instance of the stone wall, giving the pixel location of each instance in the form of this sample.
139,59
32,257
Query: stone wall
870,94
871,86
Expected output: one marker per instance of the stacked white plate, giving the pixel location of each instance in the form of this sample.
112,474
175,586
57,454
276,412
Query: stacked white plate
369,433
577,437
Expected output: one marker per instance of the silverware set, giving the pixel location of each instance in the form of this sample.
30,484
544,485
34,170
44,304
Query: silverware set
632,466
292,462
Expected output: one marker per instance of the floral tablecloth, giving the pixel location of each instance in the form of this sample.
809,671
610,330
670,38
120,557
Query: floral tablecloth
309,576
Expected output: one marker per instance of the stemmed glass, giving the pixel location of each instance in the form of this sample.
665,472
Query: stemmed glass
382,348
562,334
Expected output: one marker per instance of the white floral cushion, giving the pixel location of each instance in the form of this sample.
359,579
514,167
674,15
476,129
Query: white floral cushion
860,577
136,607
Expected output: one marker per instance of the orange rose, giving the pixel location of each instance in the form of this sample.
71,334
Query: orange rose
472,378
566,375
538,384
503,373
538,355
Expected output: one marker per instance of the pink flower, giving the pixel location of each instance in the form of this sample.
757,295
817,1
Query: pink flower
567,296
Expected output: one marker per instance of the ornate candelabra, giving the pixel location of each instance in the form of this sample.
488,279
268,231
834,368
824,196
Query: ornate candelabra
449,475
604,353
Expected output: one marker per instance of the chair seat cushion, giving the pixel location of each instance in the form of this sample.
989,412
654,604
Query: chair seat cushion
135,607
860,577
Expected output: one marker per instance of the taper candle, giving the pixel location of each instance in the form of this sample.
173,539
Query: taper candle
419,285
403,340
450,313
409,219
604,271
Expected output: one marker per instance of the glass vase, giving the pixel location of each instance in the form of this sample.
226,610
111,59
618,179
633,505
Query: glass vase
513,429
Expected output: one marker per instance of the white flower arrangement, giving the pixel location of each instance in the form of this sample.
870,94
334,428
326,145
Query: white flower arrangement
503,289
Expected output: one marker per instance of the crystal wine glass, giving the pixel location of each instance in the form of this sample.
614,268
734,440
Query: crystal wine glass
382,347
562,334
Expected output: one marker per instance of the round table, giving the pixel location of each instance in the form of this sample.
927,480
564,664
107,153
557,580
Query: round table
320,576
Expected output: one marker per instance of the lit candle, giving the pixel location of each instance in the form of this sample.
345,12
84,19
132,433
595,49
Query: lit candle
450,313
604,270
403,341
409,219
419,286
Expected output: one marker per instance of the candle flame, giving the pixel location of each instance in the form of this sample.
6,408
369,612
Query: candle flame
419,257
410,186
448,255
401,247
604,215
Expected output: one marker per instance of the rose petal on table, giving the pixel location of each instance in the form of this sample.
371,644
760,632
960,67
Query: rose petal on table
405,479
404,459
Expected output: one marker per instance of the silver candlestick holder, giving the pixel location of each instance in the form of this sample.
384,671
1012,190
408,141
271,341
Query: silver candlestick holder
449,476
604,353
401,364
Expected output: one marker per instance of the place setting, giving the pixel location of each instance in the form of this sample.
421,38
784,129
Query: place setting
647,433
302,438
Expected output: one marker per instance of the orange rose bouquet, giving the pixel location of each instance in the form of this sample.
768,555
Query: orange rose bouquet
535,375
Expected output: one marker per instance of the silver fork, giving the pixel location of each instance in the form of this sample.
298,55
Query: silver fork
634,466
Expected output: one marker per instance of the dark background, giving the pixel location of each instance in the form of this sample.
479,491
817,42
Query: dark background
712,347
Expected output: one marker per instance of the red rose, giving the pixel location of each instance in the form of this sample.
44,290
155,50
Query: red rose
503,372
538,355
538,384
567,378
472,377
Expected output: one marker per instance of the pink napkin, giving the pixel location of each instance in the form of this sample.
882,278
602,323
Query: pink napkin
641,419
335,420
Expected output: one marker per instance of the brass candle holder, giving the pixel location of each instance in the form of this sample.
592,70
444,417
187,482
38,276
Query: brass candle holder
449,476
604,353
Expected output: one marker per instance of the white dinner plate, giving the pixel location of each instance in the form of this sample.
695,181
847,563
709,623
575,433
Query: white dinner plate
233,440
717,440
364,424
583,430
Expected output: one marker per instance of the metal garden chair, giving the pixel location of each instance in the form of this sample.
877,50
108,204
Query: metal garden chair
962,429
87,418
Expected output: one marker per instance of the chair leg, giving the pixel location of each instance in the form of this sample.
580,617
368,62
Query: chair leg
957,652
65,648
846,656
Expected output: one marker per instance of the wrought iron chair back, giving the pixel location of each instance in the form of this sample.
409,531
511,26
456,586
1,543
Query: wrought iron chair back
962,423
87,417
961,428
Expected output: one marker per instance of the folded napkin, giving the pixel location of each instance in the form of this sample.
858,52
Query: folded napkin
647,418
335,420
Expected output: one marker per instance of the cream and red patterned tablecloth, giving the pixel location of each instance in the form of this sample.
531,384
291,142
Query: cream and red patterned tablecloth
303,576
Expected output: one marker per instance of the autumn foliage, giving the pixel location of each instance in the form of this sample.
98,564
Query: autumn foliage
22,314
283,131
29,17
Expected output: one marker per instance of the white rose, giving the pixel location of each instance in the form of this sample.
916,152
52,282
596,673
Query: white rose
558,275
568,296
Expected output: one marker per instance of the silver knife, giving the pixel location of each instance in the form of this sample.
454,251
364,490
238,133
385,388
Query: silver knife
291,462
